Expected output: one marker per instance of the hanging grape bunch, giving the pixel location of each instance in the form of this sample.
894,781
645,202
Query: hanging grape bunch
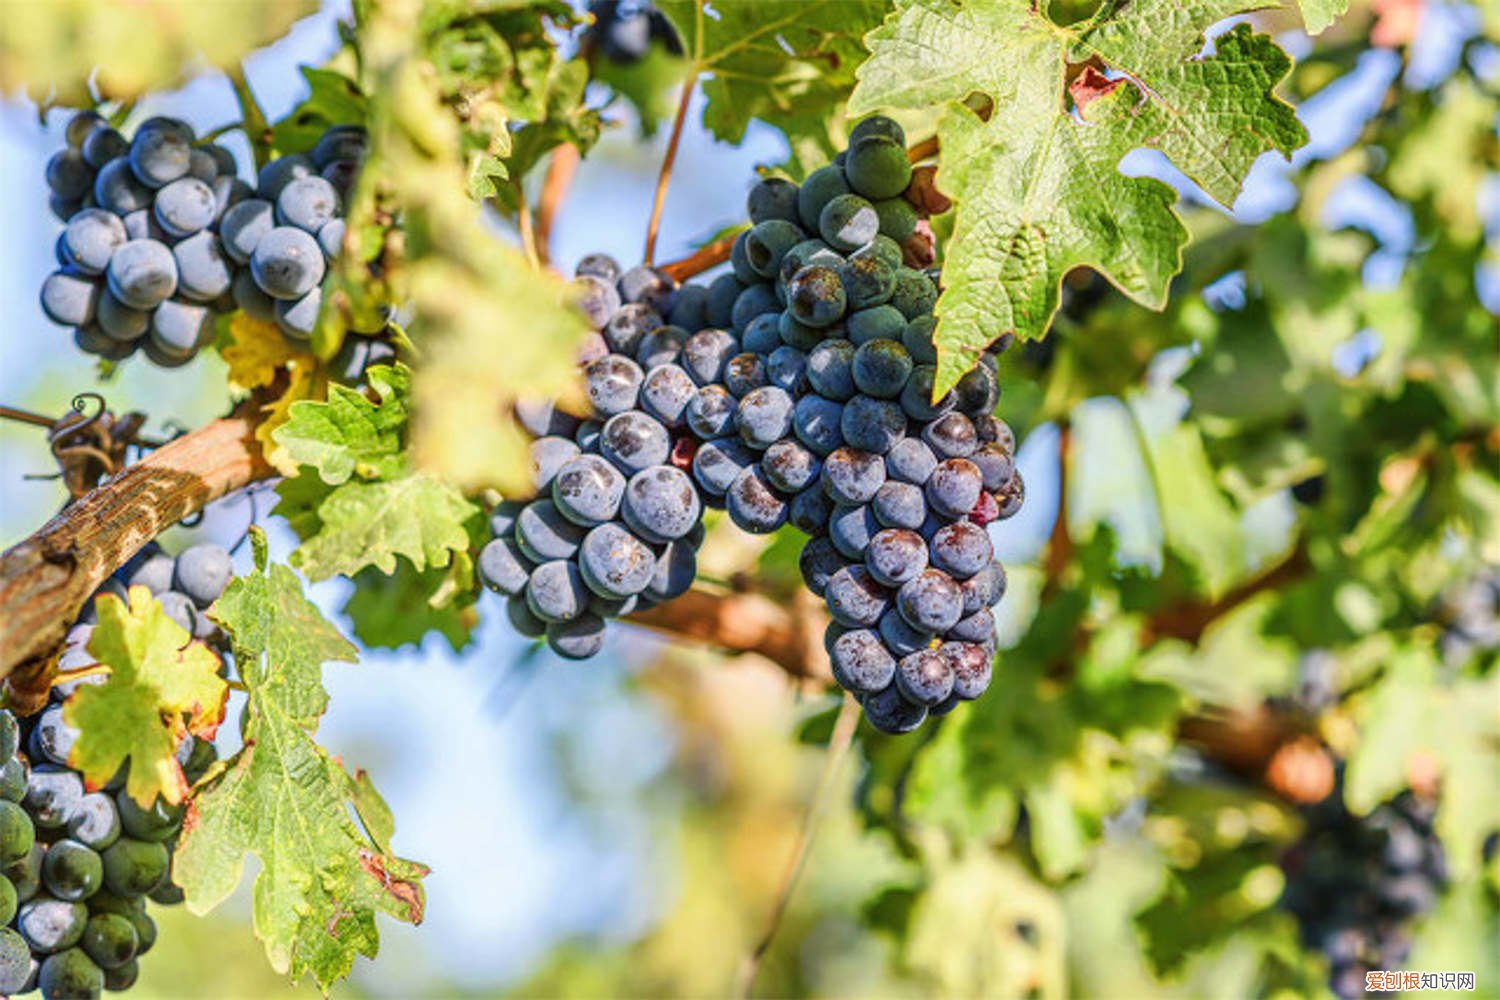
161,236
617,521
80,865
799,384
1357,883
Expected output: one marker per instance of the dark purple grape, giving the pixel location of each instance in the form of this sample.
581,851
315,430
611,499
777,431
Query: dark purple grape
790,466
961,549
930,601
970,666
854,597
753,505
818,562
860,662
954,487
899,505
816,422
890,713
951,435
850,529
851,476
896,555
872,425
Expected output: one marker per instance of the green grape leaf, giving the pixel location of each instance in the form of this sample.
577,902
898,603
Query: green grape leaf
333,99
161,687
349,434
284,800
647,83
1036,180
491,327
371,523
398,609
787,62
122,48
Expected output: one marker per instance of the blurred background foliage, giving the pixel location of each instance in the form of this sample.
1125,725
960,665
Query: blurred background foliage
1260,566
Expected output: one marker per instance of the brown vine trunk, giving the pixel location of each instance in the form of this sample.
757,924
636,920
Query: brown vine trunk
45,579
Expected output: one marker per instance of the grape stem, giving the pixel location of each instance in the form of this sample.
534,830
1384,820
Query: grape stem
78,673
252,118
527,230
700,260
668,159
21,416
838,749
560,171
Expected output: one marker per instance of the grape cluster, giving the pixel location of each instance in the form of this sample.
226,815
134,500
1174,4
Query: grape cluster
829,424
623,30
1356,883
617,521
79,865
161,236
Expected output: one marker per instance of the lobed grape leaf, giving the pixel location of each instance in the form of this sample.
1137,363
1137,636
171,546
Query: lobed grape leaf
121,48
787,62
350,434
161,687
399,609
283,799
332,99
1036,177
363,524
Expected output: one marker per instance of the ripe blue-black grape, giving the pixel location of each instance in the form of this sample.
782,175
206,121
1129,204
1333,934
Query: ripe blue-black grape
52,793
899,504
634,441
711,412
816,422
577,639
764,416
628,326
900,638
913,294
851,476
91,238
540,418
743,373
861,662
614,563
830,370
614,384
307,203
961,549
665,394
954,487
762,335
753,504
70,298
790,466
895,556
203,272
556,591
723,292
851,529
925,677
930,601
662,346
298,317
676,568
587,490
855,598
705,354
159,156
798,335
786,369
755,300
244,225
544,534
287,263
49,925
718,463
276,175
548,455
868,279
660,504
890,713
810,510
978,627
184,207
95,821
872,425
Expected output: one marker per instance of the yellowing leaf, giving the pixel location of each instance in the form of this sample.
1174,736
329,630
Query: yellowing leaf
122,48
256,350
157,676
